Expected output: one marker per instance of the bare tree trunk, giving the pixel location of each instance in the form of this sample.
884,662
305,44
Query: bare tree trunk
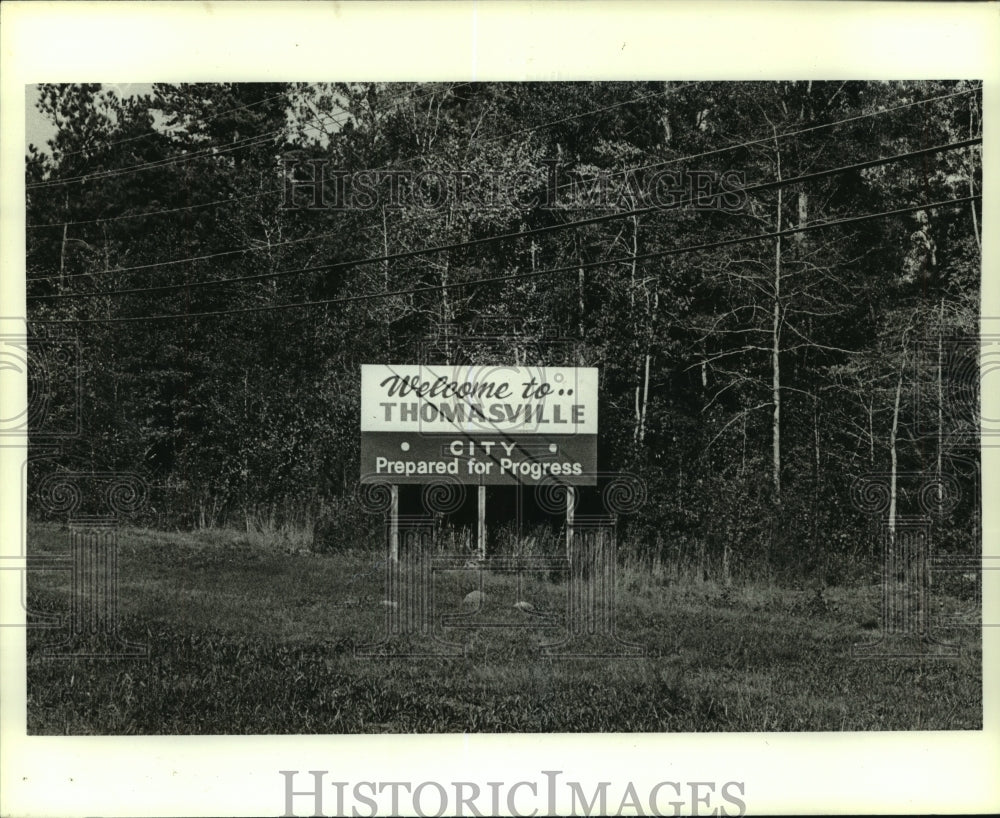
446,313
743,457
580,304
803,215
871,431
62,247
645,401
62,257
940,398
893,454
816,492
114,368
816,436
972,184
894,460
385,275
639,399
650,323
775,353
246,463
385,249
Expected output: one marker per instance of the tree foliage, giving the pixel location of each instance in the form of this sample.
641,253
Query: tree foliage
146,206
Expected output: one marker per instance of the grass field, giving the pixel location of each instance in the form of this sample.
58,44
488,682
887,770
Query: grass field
249,638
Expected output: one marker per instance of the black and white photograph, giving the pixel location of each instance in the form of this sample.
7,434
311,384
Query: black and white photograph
361,405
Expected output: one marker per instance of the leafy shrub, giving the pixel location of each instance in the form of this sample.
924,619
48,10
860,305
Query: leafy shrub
343,525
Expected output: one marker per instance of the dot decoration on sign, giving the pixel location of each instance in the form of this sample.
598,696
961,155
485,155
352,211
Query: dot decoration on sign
553,448
404,446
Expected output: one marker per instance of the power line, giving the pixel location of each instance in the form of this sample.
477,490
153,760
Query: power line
207,118
675,160
229,201
534,274
315,237
801,131
181,208
595,111
206,150
475,242
214,150
209,149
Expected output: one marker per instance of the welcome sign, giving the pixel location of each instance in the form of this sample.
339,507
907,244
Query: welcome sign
486,425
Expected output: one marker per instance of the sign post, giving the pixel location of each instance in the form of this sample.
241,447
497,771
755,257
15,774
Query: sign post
394,522
481,524
447,428
570,508
478,425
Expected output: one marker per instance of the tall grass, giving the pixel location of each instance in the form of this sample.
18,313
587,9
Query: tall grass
290,527
722,554
244,638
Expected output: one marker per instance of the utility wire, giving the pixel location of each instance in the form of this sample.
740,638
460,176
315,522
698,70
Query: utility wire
800,131
692,248
675,160
214,150
217,202
207,118
209,149
570,118
474,242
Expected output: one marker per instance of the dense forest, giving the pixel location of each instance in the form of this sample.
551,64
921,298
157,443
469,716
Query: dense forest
779,283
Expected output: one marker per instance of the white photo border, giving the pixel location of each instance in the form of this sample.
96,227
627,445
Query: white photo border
912,772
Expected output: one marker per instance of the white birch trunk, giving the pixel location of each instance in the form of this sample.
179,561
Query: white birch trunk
940,399
893,454
776,357
972,184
